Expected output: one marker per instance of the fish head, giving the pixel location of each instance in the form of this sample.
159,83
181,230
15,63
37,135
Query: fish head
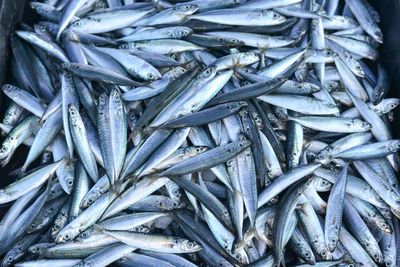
78,25
362,125
234,106
10,90
5,150
321,185
130,45
73,115
307,254
331,242
325,155
59,223
115,96
243,143
375,253
180,32
325,254
189,246
102,103
328,53
175,73
273,16
393,145
142,229
208,73
40,249
66,176
390,104
241,256
377,96
90,198
331,85
195,150
332,106
12,256
37,6
186,9
67,234
86,234
41,29
232,42
311,88
153,75
236,2
68,66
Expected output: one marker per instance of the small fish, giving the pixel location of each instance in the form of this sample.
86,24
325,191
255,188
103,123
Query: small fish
233,132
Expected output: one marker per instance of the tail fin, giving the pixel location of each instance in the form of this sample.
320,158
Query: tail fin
116,188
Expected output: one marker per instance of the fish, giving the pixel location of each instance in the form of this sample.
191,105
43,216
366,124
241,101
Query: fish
199,133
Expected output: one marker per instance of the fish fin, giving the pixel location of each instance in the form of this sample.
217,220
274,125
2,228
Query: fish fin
117,188
22,171
283,261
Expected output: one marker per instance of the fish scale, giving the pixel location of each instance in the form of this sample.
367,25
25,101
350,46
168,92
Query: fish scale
261,135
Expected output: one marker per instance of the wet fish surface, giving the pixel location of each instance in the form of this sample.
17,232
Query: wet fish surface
199,133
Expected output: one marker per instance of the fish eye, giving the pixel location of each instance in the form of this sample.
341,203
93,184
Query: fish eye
70,182
10,259
77,23
275,16
67,237
116,95
150,76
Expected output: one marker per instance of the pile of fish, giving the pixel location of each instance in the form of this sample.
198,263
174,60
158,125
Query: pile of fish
199,133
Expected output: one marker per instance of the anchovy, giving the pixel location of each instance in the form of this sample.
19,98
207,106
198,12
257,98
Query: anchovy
235,132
